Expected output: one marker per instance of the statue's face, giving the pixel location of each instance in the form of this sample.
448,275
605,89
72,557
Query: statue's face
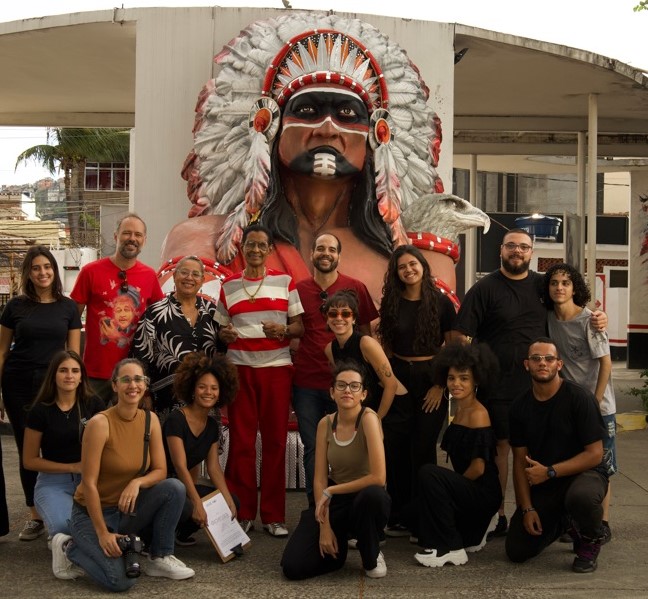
324,133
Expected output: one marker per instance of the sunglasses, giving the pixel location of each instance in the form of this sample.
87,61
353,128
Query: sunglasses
344,313
323,295
124,281
549,359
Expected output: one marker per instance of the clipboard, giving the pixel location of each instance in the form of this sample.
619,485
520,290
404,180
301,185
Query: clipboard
226,534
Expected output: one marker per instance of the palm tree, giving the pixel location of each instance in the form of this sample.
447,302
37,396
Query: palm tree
68,149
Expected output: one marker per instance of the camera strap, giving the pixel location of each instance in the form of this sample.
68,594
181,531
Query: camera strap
147,437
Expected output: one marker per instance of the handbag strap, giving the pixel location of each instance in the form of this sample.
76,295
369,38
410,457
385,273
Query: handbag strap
147,437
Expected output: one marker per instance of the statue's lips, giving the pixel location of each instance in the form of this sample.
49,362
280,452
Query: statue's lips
324,150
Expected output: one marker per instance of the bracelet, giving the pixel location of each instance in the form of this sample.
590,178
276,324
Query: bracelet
527,510
327,494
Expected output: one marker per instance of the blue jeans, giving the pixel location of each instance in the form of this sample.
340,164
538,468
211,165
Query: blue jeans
53,499
158,507
310,405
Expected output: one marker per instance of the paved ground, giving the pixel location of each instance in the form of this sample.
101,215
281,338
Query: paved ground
623,564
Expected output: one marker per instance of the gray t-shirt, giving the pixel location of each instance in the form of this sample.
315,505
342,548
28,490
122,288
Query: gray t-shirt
580,348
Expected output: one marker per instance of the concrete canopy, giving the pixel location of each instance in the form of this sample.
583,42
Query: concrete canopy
512,96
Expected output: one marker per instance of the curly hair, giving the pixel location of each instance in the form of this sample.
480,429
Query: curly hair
427,330
582,294
476,357
341,298
48,390
196,365
26,283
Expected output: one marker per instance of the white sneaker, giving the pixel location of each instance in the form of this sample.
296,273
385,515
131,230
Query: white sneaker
430,559
168,566
62,567
380,571
276,529
476,548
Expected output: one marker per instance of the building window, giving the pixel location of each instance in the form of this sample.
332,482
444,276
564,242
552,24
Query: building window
106,176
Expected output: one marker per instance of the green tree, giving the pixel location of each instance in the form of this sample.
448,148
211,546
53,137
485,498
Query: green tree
643,5
68,150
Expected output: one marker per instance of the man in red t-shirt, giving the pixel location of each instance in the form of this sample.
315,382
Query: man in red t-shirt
116,290
312,379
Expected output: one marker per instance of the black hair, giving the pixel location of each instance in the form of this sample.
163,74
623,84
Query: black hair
257,227
476,357
546,340
26,283
582,294
194,366
343,297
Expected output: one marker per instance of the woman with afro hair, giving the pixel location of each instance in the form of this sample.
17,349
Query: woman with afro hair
192,435
456,507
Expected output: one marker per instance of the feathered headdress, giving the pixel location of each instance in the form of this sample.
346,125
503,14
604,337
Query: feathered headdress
238,116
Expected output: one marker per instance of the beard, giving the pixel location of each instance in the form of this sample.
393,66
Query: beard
514,269
129,250
333,264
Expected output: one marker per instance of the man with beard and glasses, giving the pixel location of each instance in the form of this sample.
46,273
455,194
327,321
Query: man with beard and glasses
504,309
560,478
116,290
311,399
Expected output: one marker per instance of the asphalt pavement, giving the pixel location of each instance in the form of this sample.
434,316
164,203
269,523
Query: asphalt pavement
25,567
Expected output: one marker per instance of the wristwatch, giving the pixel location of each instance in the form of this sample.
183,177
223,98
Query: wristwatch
551,472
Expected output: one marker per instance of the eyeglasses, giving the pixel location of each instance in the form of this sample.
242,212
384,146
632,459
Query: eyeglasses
261,245
194,274
549,359
344,313
354,387
137,379
124,281
523,247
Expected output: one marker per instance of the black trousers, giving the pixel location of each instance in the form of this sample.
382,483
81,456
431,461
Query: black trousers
19,388
365,513
579,496
454,512
411,435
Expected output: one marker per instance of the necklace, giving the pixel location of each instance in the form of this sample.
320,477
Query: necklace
252,296
67,412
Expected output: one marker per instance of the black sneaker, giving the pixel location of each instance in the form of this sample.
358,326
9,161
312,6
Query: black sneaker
606,537
185,541
585,560
397,530
500,529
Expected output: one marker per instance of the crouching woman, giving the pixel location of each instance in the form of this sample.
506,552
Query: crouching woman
349,487
123,491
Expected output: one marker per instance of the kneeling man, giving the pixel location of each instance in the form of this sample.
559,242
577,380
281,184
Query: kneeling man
557,432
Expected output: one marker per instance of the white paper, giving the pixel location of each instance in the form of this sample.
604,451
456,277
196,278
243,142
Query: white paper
227,533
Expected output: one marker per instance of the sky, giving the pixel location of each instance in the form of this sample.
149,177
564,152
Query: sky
607,27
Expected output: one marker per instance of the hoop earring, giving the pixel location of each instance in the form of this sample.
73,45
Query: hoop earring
446,394
476,389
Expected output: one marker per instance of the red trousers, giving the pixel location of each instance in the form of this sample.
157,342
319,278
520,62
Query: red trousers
262,403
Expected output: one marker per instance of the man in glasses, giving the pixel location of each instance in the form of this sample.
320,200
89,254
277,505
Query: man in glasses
311,399
504,309
557,435
116,291
259,312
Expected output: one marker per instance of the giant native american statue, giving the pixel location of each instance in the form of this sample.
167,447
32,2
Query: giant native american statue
318,123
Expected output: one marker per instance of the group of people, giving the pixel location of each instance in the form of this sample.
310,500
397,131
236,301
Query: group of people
369,430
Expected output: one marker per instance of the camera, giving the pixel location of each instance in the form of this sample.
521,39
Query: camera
131,547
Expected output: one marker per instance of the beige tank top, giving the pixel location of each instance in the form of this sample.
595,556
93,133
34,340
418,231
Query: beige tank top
348,460
121,458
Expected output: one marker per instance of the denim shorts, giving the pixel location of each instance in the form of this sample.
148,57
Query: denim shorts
609,444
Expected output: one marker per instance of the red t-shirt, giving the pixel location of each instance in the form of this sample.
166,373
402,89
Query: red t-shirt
112,314
312,370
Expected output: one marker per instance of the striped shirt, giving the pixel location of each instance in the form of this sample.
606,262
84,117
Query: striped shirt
277,300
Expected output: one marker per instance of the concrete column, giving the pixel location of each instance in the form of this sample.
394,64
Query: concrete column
592,147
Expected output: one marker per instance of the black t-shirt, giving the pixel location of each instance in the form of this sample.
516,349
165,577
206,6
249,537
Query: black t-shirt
508,315
196,447
61,440
559,428
39,330
408,319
